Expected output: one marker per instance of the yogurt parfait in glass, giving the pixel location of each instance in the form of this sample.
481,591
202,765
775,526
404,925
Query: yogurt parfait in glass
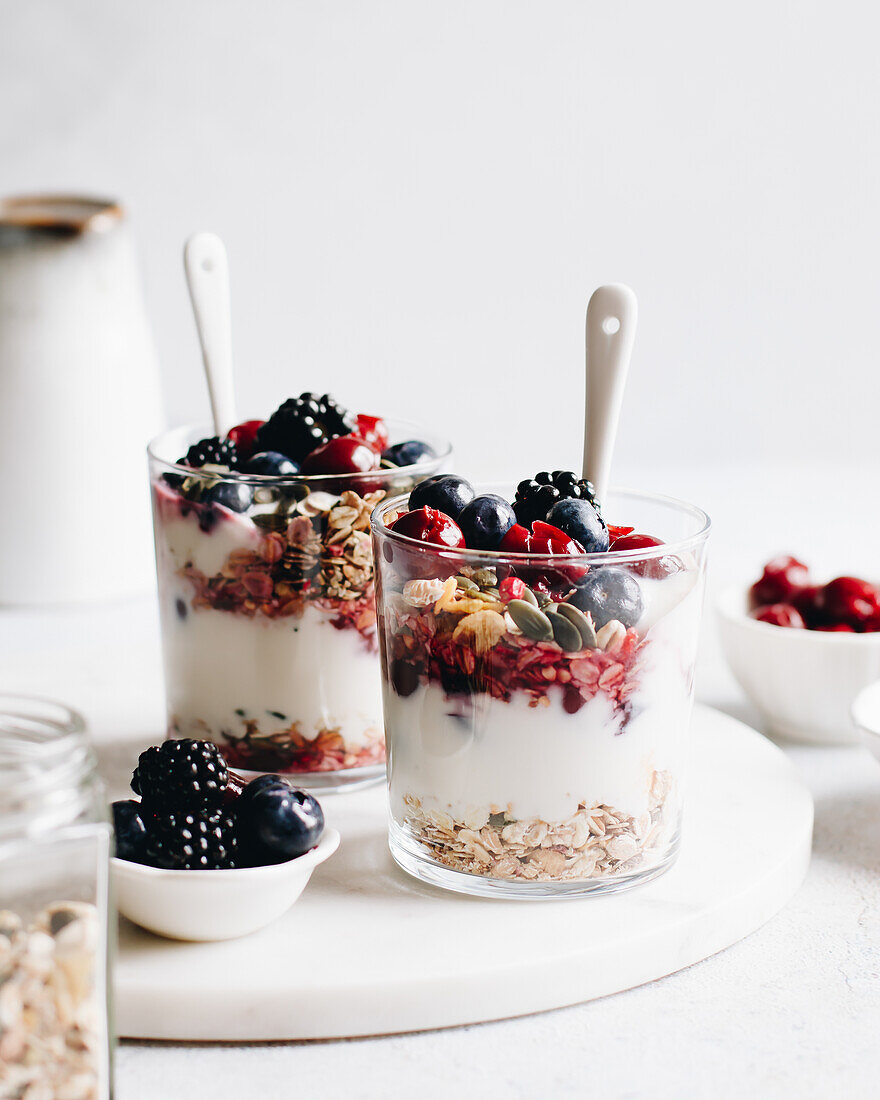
266,584
537,673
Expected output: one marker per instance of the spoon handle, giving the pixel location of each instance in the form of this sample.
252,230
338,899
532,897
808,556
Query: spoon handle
207,275
611,330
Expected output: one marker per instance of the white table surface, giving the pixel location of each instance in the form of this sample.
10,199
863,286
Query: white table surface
791,1011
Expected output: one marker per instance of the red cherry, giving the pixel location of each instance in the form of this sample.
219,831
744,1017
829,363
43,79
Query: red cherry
543,538
837,628
547,539
618,532
244,436
808,601
516,540
235,784
344,455
635,542
658,567
429,525
850,601
782,577
372,430
779,614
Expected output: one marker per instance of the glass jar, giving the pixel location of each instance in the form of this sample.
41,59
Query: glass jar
267,606
537,723
55,1034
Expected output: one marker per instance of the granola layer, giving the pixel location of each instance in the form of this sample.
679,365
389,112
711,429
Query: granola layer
596,842
289,751
317,551
437,632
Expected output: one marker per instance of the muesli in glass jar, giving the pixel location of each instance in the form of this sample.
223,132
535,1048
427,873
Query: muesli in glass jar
55,1032
537,669
266,585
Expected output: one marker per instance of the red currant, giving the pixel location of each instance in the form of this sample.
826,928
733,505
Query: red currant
344,455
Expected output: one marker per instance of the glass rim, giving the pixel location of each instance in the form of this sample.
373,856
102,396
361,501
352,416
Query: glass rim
443,451
43,745
606,557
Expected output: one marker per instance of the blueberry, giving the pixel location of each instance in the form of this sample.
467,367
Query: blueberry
448,493
263,783
485,521
278,823
580,520
131,833
271,463
408,453
609,593
237,496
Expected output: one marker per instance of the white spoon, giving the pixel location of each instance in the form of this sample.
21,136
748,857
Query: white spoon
207,275
611,329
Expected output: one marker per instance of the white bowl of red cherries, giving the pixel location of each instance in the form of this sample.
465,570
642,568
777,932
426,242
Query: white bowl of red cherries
205,854
803,651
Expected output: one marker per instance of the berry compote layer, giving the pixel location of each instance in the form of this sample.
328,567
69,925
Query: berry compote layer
537,681
266,586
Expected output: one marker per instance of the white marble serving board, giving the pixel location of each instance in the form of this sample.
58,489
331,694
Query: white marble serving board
369,951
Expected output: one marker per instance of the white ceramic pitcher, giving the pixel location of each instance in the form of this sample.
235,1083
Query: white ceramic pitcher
79,399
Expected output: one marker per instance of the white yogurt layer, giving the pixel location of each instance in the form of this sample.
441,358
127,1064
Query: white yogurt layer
222,669
462,755
180,540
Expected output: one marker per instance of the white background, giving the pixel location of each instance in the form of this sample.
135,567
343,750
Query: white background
418,198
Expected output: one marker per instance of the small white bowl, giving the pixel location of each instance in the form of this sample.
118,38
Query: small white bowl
866,715
214,905
802,681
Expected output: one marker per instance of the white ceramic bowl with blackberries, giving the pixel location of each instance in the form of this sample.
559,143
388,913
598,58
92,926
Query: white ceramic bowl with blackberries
204,855
803,651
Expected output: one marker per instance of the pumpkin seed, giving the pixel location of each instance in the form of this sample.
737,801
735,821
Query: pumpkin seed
584,623
532,622
530,597
466,584
485,577
486,597
565,633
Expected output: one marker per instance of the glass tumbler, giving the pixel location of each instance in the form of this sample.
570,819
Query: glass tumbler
268,614
55,1032
537,723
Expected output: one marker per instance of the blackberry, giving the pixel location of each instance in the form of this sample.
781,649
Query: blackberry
219,452
182,775
303,423
536,496
178,840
